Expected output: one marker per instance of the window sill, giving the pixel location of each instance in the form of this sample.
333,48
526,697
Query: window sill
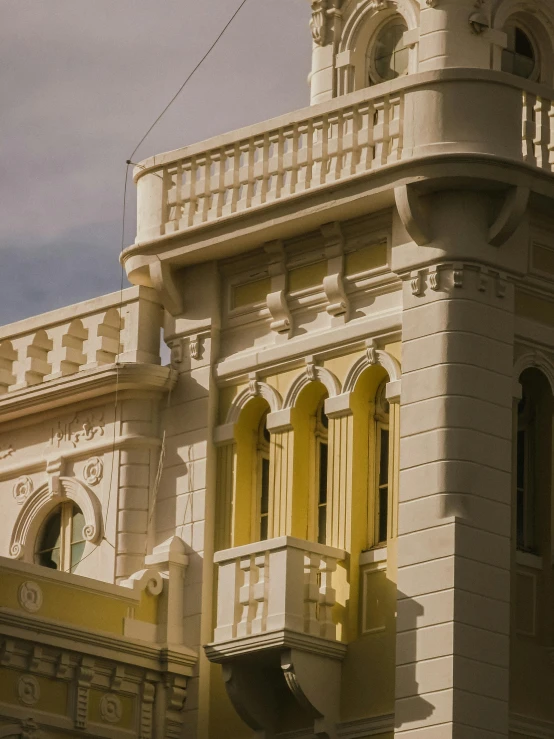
529,560
373,556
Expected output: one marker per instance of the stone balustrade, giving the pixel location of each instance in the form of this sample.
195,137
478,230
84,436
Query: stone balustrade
348,137
114,328
274,586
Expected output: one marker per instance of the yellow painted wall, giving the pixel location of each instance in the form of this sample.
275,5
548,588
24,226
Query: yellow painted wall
53,693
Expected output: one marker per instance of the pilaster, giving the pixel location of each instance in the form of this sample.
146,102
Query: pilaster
454,508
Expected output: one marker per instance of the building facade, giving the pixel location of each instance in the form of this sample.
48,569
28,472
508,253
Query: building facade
331,514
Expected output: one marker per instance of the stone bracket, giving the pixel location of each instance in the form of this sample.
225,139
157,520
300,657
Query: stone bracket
312,679
412,214
163,282
510,216
276,300
333,282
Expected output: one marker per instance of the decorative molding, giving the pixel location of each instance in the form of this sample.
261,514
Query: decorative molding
7,653
319,22
164,283
30,596
458,275
312,373
93,471
111,709
277,298
333,282
22,489
35,658
45,499
84,426
417,283
26,729
28,690
384,359
84,678
149,580
195,346
6,450
255,389
147,695
176,349
537,360
412,214
63,666
510,216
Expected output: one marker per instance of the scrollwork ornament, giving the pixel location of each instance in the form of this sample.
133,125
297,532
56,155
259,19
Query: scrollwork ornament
30,595
93,471
111,709
22,489
28,690
318,23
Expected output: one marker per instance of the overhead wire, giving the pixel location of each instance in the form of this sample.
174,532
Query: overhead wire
128,163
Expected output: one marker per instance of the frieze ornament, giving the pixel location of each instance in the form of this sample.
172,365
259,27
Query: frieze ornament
22,489
82,427
6,450
93,471
111,709
28,690
29,596
319,21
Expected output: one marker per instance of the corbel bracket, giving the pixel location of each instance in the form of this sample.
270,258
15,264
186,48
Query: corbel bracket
412,214
277,299
333,282
163,282
510,216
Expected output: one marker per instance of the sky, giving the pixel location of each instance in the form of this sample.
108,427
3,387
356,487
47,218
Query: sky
80,83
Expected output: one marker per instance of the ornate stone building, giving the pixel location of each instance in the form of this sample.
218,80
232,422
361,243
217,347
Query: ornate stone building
331,515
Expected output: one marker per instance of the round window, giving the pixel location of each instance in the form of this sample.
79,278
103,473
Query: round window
388,56
519,57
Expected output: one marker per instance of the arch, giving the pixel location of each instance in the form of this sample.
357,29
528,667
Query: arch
366,10
313,373
506,8
370,359
537,360
254,390
38,506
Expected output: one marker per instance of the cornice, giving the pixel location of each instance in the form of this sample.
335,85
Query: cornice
85,385
158,657
283,638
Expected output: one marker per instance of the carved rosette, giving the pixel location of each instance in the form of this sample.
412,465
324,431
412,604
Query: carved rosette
111,708
22,489
30,596
28,690
93,471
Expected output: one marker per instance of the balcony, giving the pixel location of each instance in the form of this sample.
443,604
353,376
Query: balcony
79,349
276,631
211,194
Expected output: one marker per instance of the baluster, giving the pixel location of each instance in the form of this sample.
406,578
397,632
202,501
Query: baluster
380,132
333,146
311,593
257,181
246,604
541,140
8,355
327,598
188,180
259,595
317,177
550,135
395,126
170,218
244,175
528,128
287,171
364,137
272,166
348,145
230,168
302,181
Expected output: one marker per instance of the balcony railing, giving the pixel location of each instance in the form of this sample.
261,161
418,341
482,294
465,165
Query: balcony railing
446,111
119,327
272,587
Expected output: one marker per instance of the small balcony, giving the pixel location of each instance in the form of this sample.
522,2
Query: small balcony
210,195
276,631
79,349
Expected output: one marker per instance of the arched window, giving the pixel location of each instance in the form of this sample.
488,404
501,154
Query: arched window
262,481
61,543
321,477
388,56
520,57
382,482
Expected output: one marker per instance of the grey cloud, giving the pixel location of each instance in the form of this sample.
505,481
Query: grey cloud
80,82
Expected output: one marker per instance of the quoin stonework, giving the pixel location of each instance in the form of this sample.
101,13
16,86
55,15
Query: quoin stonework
330,516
